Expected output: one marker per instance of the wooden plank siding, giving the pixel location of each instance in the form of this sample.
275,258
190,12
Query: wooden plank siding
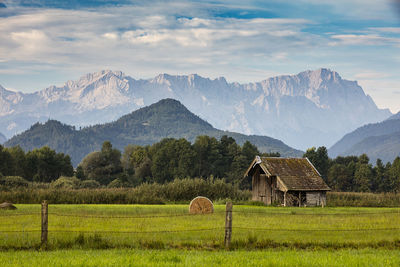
287,182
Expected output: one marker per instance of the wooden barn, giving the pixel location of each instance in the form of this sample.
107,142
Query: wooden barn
287,181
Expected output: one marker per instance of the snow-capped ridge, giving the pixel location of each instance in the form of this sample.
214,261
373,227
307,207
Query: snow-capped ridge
312,108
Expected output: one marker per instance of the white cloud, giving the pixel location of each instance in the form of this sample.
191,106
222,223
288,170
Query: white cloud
134,38
111,35
386,29
147,39
370,75
365,39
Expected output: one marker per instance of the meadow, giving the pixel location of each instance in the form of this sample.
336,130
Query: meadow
171,227
134,257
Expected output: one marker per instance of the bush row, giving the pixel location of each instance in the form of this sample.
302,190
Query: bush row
353,199
179,190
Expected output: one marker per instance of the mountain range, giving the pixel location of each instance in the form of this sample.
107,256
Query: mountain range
148,125
395,116
312,108
377,140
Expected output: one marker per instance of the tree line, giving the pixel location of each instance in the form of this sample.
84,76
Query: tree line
172,158
168,159
356,174
39,165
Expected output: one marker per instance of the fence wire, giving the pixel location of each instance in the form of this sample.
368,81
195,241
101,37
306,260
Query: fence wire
129,217
116,232
19,214
316,214
314,230
239,227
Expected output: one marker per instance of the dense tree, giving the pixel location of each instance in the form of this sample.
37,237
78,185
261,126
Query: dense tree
19,160
362,177
6,162
102,166
338,178
380,181
394,175
207,154
172,159
136,163
207,157
249,151
271,154
45,165
319,158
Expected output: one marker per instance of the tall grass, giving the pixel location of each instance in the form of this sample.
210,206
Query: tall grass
353,199
177,191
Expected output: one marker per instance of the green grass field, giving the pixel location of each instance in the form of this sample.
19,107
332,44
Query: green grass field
170,226
165,235
132,257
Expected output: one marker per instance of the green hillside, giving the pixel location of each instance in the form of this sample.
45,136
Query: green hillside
148,125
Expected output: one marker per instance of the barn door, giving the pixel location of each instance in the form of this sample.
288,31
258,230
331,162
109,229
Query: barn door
262,189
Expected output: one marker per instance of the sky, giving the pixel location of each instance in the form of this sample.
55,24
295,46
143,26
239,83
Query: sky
47,42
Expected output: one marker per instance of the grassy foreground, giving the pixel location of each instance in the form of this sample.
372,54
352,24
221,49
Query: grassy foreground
127,257
170,226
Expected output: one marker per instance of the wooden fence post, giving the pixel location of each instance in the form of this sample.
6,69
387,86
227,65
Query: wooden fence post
45,223
228,224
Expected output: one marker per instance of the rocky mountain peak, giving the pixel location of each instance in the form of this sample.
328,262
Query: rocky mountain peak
311,108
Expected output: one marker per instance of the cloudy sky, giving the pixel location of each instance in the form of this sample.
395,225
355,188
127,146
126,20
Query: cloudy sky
46,42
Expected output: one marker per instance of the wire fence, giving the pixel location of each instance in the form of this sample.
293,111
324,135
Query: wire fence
45,231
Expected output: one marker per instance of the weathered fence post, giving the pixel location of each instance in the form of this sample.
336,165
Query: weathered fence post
228,224
45,223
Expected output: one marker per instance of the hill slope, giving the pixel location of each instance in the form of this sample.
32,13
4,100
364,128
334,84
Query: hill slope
378,140
2,138
395,116
311,108
166,118
385,147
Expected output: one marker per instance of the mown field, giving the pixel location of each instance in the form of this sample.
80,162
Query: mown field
171,227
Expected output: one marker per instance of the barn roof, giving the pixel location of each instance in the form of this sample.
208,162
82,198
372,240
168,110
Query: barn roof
295,173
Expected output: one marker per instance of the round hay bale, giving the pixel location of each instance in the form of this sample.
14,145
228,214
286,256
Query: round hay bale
201,205
7,206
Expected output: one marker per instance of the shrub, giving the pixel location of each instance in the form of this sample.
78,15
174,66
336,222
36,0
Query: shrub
118,183
13,181
89,184
66,183
62,192
354,199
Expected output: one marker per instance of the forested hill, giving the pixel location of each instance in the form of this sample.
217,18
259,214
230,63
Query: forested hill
377,140
148,125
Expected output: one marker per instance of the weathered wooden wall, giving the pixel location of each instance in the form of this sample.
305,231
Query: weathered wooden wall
316,198
268,189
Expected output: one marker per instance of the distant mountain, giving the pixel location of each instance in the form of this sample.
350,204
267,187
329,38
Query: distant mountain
395,116
384,147
2,138
148,125
378,140
311,108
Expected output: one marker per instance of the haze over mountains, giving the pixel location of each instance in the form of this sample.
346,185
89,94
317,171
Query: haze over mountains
148,125
312,108
2,138
377,140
